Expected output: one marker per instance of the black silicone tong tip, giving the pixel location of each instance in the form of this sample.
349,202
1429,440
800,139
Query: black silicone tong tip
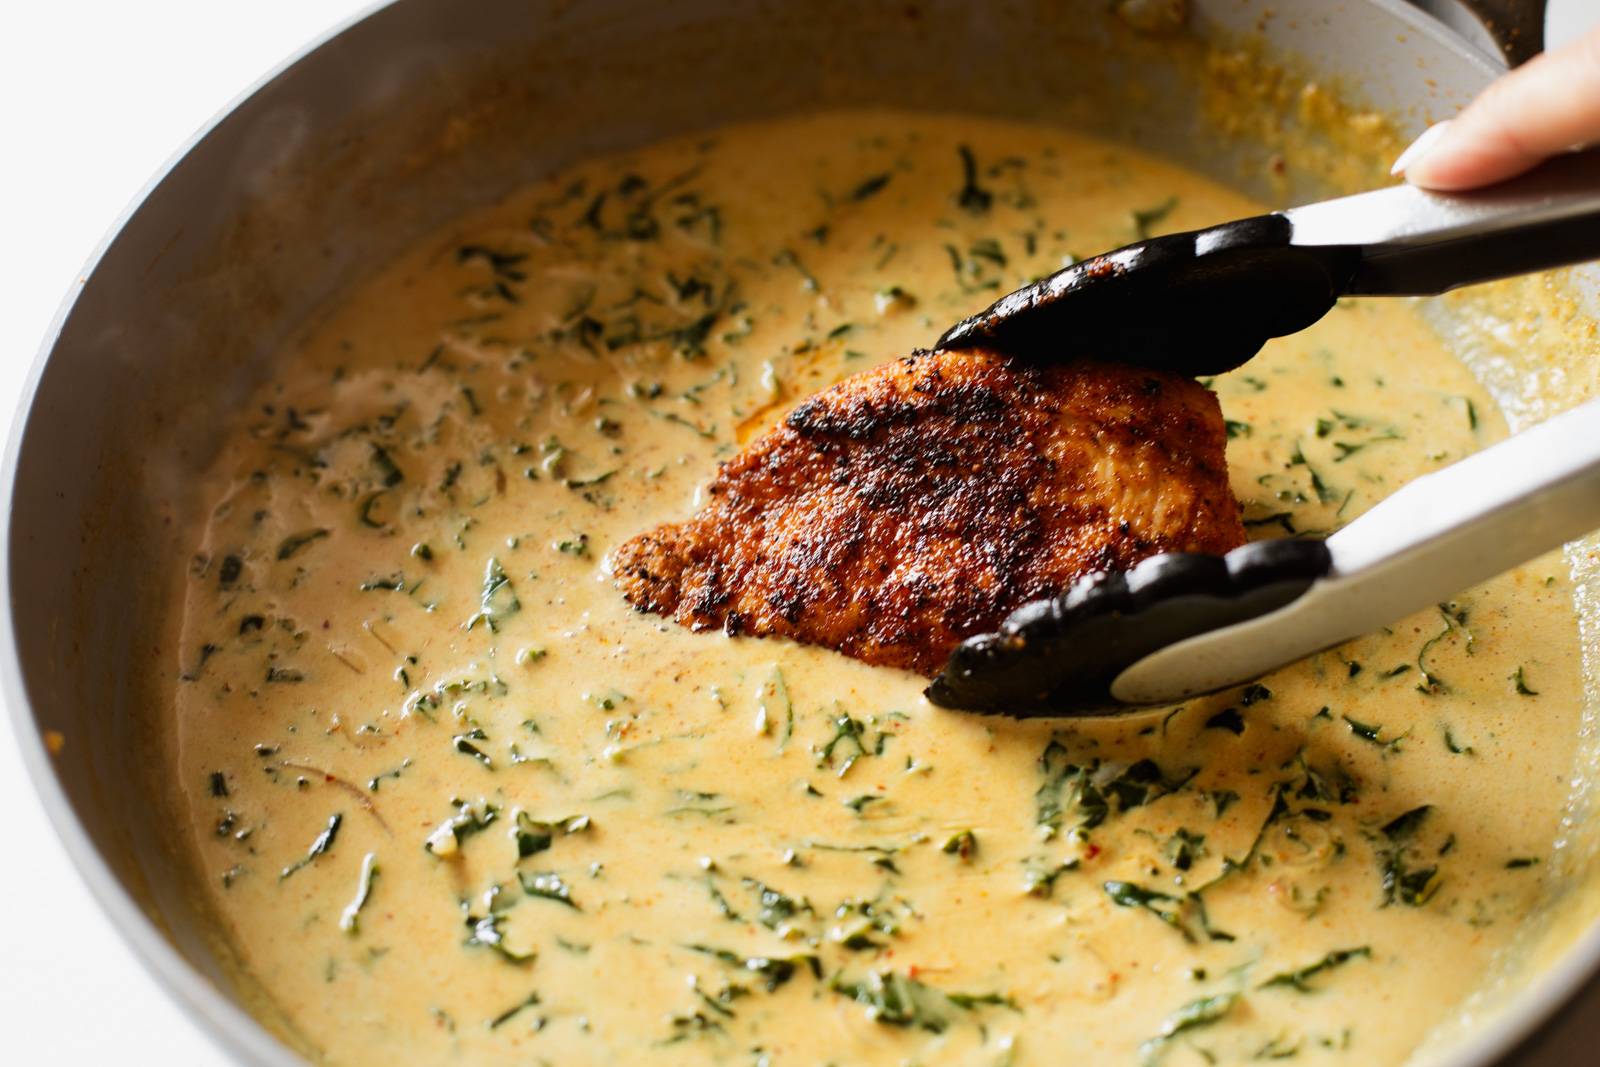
1060,656
1194,303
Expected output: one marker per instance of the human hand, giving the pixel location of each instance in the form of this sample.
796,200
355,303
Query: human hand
1547,106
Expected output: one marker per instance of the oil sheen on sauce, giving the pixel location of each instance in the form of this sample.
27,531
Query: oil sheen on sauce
453,802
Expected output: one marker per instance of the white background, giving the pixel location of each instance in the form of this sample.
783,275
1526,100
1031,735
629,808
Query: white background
95,95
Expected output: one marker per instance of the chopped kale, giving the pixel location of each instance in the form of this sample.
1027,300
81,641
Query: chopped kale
471,817
292,544
534,836
498,601
896,999
870,187
1299,980
971,197
512,1012
774,971
1204,1012
319,846
963,844
547,885
1146,218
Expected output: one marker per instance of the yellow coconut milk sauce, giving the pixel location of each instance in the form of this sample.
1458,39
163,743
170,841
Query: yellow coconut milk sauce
454,802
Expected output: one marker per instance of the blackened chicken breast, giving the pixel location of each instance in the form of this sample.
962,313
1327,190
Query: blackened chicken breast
921,501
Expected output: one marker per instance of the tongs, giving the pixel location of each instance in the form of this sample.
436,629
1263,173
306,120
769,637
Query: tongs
1184,624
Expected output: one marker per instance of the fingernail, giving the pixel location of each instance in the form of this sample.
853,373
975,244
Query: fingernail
1420,147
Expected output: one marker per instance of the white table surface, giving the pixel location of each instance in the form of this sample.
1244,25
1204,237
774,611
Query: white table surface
96,95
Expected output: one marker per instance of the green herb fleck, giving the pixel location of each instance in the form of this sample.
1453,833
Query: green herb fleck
786,258
534,836
895,999
1401,882
471,817
1299,980
548,886
1194,1015
774,971
513,1011
1184,914
971,197
1520,680
292,544
1146,218
320,846
963,844
577,545
1455,747
498,601
1373,735
464,744
870,187
485,931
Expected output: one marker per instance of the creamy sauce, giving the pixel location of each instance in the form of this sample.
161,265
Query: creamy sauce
454,802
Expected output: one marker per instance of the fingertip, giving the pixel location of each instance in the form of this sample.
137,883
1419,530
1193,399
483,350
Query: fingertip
1453,169
1419,149
1450,157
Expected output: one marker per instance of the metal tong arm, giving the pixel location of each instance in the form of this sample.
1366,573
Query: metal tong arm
1431,539
1204,301
1415,243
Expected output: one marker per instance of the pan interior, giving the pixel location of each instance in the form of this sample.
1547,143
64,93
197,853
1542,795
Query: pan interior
316,183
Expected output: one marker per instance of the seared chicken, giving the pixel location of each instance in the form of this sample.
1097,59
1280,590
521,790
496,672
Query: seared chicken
916,503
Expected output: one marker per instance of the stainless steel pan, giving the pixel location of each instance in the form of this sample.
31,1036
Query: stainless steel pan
425,108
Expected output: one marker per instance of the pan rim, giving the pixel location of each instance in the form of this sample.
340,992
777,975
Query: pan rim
223,1020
